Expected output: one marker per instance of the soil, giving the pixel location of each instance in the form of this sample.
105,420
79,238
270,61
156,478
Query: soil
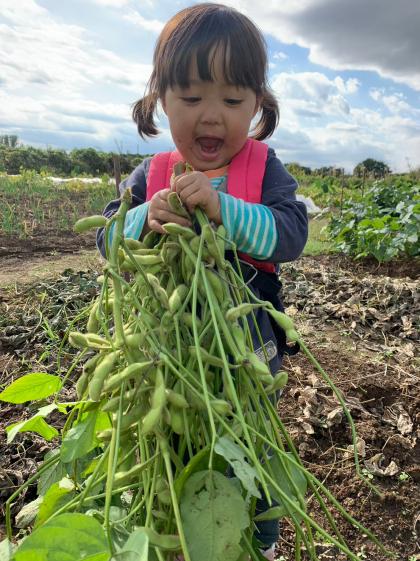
379,388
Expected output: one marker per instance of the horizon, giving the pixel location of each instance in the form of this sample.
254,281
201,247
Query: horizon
347,76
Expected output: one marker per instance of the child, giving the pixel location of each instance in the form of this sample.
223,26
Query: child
210,76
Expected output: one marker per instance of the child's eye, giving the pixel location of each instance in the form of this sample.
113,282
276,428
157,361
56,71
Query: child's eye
233,101
190,99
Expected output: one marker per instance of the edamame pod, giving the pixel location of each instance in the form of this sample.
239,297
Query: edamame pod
178,230
100,374
95,221
282,319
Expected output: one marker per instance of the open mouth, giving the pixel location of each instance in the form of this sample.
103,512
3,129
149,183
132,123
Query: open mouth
209,146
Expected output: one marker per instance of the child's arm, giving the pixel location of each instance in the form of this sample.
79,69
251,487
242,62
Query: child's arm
275,230
137,215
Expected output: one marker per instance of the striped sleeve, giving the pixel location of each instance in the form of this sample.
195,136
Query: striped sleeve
134,222
251,226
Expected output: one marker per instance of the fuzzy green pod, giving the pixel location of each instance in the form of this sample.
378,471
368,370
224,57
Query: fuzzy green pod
178,230
84,224
177,298
278,382
257,365
176,205
292,335
206,357
100,374
133,244
221,406
131,371
233,314
282,319
177,420
176,399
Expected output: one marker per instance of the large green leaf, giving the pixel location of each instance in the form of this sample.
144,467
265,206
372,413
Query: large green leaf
199,462
79,440
34,424
67,537
57,496
213,514
136,548
51,475
31,387
285,473
238,460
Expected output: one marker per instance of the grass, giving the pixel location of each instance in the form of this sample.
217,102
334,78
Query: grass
31,203
318,242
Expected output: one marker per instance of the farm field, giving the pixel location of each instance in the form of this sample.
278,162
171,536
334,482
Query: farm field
359,319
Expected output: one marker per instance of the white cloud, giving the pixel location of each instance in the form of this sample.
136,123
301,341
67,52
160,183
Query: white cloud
378,35
137,19
111,3
279,55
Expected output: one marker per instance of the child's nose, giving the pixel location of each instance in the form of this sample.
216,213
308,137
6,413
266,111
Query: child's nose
211,114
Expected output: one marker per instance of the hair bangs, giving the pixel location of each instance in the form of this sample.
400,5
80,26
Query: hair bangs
218,38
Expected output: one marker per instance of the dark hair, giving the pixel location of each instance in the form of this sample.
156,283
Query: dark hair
200,31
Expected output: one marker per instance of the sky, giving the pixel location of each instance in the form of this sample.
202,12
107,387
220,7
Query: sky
346,74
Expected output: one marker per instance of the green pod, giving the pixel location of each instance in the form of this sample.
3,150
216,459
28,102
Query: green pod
131,418
239,311
165,497
221,406
216,283
195,244
292,335
273,513
147,251
90,365
177,421
100,374
151,420
176,399
178,230
258,366
282,319
84,224
166,416
135,340
187,319
131,371
133,244
97,342
92,325
146,260
177,298
239,337
78,340
278,382
176,205
220,239
113,404
123,478
151,239
82,384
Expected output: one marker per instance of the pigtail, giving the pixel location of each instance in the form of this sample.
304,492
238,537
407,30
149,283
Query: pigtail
269,118
143,115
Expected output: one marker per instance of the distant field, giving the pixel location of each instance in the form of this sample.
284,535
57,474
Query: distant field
31,204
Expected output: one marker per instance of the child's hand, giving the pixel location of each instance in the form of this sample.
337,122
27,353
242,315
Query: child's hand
160,212
195,189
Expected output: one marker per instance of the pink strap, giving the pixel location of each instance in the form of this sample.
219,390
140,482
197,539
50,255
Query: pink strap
246,172
160,171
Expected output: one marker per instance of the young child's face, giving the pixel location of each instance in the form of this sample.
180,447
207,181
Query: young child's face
209,121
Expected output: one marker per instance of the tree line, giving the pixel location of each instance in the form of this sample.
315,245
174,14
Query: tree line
14,157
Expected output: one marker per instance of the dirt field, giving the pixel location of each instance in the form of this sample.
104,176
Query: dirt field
360,322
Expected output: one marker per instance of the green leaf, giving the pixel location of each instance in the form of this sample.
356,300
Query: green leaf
199,462
57,496
6,550
285,473
136,548
34,424
238,460
67,537
79,440
213,514
31,387
53,474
